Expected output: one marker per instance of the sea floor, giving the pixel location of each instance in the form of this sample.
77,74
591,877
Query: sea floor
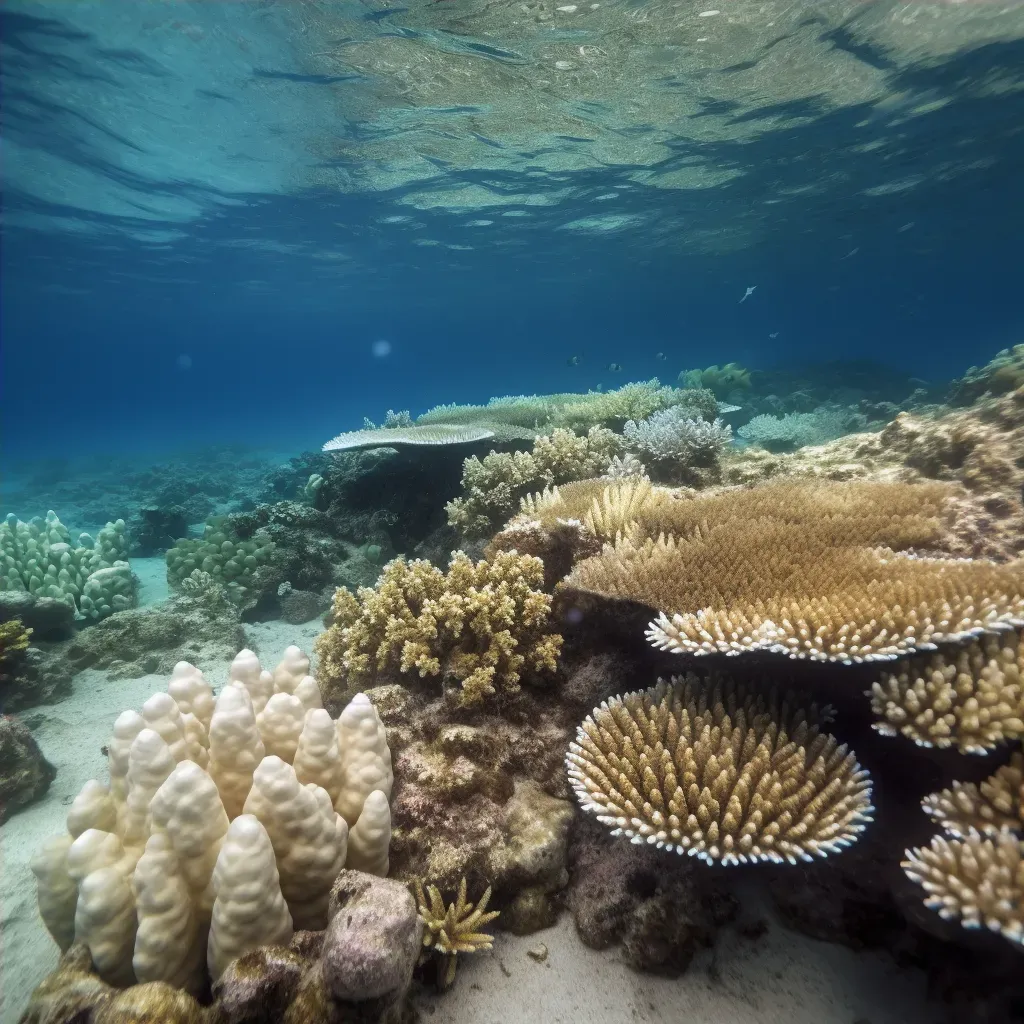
780,977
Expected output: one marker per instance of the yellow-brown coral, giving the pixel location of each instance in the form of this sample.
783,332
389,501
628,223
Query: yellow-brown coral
808,570
455,929
13,637
993,806
978,881
720,773
481,625
970,697
492,486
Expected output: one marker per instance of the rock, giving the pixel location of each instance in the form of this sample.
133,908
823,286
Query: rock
373,939
259,986
33,677
48,618
25,775
154,529
299,606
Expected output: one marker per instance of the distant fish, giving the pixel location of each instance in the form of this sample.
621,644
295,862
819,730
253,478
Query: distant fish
773,335
573,361
660,355
746,295
615,367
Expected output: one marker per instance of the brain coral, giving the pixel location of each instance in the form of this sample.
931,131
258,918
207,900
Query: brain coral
720,773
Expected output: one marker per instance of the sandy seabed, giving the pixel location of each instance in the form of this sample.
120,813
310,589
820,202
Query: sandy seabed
781,978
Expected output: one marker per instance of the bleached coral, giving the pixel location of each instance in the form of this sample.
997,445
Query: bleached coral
478,625
148,863
720,773
800,429
671,436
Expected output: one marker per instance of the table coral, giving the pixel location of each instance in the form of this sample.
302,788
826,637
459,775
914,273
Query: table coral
479,625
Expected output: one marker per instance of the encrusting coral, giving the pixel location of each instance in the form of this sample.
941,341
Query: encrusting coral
825,572
480,626
718,772
223,827
492,486
978,881
993,806
453,929
970,697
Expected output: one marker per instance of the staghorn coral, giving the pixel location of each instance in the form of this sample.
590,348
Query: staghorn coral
409,434
669,436
492,486
455,929
720,773
800,429
978,881
969,697
806,570
625,467
993,806
479,625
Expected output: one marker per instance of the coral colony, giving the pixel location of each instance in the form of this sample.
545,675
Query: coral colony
667,640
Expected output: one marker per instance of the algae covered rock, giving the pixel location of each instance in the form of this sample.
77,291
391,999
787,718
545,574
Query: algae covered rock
25,775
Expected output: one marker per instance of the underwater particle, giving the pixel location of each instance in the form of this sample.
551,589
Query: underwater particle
381,349
184,362
573,361
976,881
773,335
713,770
455,929
753,288
660,356
615,367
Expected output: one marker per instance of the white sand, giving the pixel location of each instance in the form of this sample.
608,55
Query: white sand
782,977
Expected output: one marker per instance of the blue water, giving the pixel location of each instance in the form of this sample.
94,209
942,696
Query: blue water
213,211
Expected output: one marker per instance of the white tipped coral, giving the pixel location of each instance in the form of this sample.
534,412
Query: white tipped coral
718,773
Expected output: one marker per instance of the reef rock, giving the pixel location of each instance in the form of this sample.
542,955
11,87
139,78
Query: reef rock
25,775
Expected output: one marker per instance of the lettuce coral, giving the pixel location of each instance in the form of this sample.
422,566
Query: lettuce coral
478,625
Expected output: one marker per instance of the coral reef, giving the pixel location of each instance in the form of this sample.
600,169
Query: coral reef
722,381
970,697
1002,373
25,775
680,448
492,486
358,968
718,772
454,929
92,576
993,806
478,627
223,827
154,528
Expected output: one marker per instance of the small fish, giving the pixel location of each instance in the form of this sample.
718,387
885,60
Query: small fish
573,361
746,295
773,335
615,367
660,355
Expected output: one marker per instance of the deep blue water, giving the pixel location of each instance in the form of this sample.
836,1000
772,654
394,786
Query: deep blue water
205,231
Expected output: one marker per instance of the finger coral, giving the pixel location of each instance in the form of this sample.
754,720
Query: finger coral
492,486
970,697
991,807
812,571
978,881
719,773
478,625
455,929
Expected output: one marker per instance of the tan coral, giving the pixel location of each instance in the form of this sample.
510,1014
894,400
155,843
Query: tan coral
719,773
989,808
814,571
492,486
455,929
481,625
970,697
977,881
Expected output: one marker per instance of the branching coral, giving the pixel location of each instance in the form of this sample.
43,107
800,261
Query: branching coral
479,625
671,436
492,486
969,697
799,429
978,881
720,773
455,929
993,806
801,570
